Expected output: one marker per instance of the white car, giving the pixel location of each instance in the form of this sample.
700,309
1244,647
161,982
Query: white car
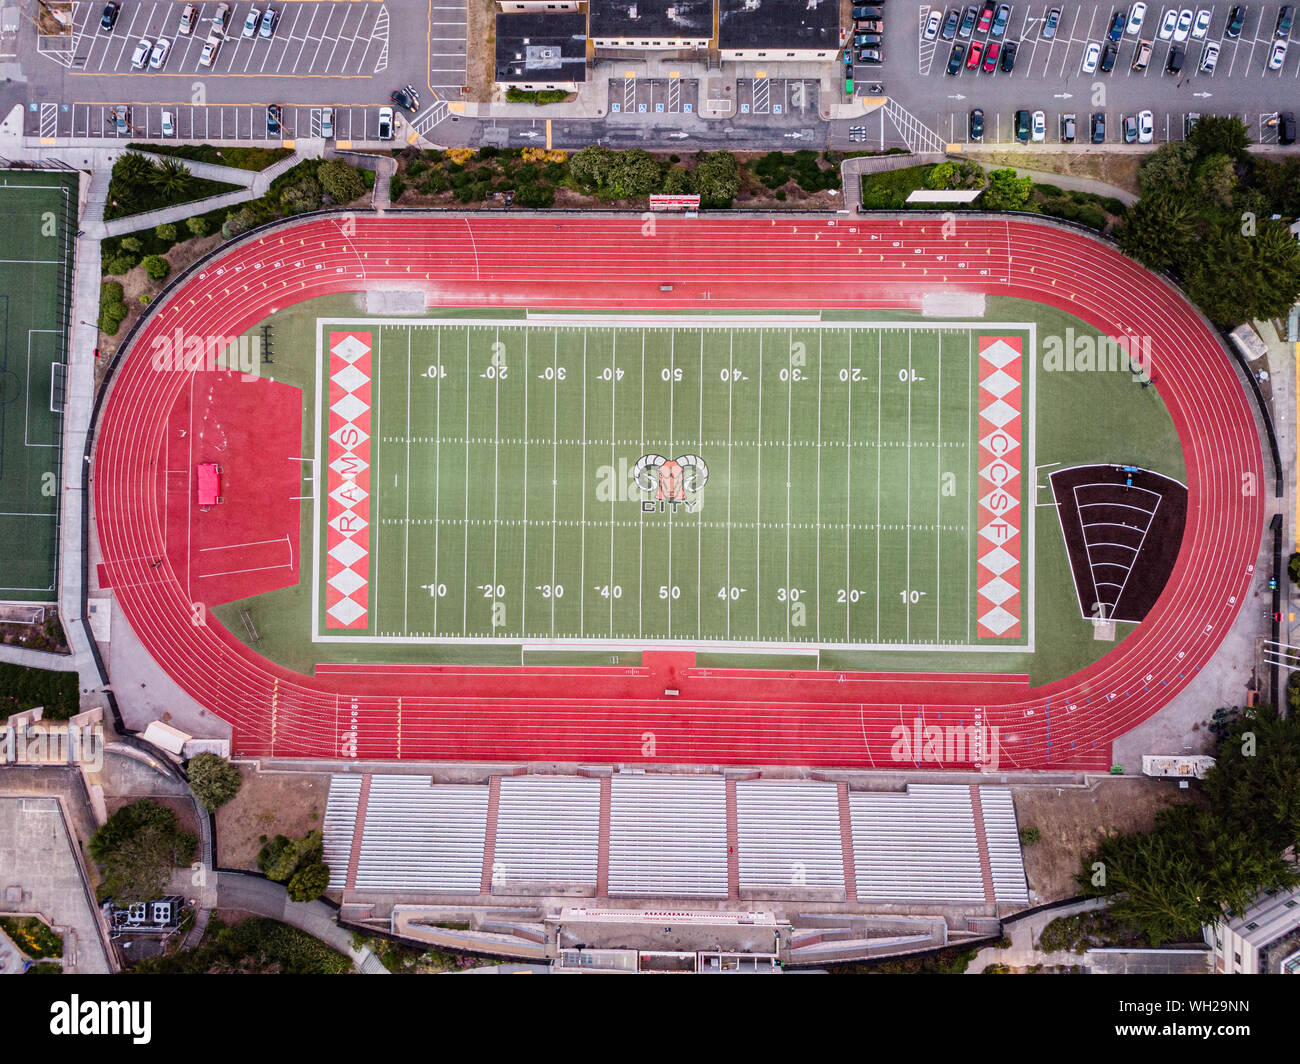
1039,129
1090,56
188,17
1210,57
158,58
327,122
1202,26
1146,128
168,124
1169,25
1184,26
210,49
141,54
250,23
932,25
385,123
1278,55
1136,14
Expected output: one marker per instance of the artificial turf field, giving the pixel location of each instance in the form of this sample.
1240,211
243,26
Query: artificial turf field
35,277
828,496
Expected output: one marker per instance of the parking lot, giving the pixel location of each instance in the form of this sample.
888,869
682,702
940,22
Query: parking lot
311,40
1048,75
215,123
646,96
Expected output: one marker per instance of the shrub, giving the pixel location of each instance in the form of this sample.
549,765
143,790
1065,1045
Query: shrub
240,221
303,196
1293,568
198,225
436,182
213,779
396,186
1029,836
460,156
343,183
534,196
166,232
131,243
120,264
138,847
156,267
309,882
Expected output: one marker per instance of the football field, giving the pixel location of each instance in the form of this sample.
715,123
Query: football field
753,482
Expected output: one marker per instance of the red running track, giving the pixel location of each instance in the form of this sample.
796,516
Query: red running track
721,716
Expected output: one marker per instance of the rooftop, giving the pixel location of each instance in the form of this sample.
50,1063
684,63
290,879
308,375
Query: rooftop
651,19
541,47
791,24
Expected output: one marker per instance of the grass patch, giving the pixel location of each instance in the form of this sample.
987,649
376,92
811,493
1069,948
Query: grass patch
539,96
25,688
254,159
32,936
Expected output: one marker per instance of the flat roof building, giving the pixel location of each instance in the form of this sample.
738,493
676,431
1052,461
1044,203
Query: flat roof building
651,25
541,51
1263,940
778,31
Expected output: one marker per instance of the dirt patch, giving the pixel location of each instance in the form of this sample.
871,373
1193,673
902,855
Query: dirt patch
268,804
46,635
1071,823
1114,168
480,54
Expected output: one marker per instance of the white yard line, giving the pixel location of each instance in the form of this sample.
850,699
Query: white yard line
523,605
437,475
555,468
406,530
582,563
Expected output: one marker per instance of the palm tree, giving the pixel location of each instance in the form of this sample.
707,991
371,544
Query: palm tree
172,178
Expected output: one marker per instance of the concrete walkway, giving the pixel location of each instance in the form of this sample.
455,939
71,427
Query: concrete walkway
851,171
1064,181
253,894
1023,951
384,167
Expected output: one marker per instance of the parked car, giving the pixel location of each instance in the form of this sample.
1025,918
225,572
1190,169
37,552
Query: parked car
967,22
1009,51
1068,123
870,56
1236,19
385,123
1146,127
1117,24
1189,122
1136,14
1129,128
1202,25
1038,131
950,24
158,57
109,18
120,123
327,122
1184,26
1024,122
986,16
973,56
274,119
860,9
189,16
1090,56
864,13
1169,25
955,57
1285,20
1286,127
977,123
222,17
869,25
210,49
1142,56
1209,57
932,25
270,19
1050,23
1108,55
168,124
409,100
1174,64
1278,56
863,40
1000,21
1099,127
141,54
991,57
251,21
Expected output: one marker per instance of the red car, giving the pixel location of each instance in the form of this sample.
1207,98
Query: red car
991,57
973,59
986,16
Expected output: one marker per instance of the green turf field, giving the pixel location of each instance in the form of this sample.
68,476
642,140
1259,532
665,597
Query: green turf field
35,278
825,493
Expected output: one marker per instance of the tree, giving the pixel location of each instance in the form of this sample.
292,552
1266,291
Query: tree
1168,169
172,178
305,196
281,857
634,173
1216,179
166,232
240,221
1006,192
1220,135
309,882
1236,277
1293,569
137,848
156,267
678,181
197,225
532,196
1158,231
214,780
133,169
717,178
342,183
590,168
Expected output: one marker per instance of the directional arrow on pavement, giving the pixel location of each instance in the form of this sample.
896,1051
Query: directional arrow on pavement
1202,94
959,96
795,135
679,136
529,133
1063,95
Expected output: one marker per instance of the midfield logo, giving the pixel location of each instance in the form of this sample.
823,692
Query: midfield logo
667,483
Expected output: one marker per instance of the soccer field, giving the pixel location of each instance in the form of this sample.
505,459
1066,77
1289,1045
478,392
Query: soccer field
35,281
778,481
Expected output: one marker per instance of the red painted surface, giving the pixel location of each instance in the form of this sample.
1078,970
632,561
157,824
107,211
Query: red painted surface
720,716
